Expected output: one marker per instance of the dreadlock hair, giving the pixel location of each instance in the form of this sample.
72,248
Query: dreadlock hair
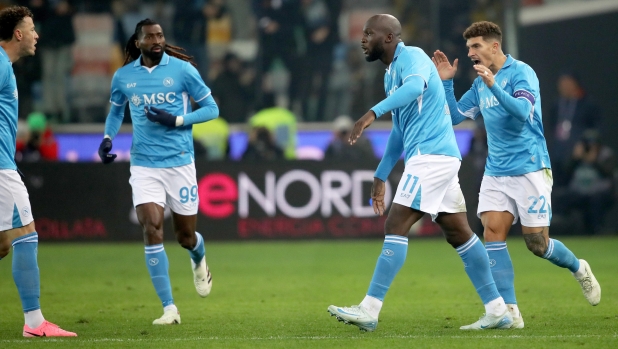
131,52
10,18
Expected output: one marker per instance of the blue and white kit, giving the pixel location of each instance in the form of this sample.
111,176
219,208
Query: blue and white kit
422,129
15,210
167,151
511,110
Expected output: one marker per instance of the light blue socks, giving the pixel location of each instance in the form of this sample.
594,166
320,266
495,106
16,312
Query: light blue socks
502,270
26,271
561,256
389,263
198,252
158,265
476,264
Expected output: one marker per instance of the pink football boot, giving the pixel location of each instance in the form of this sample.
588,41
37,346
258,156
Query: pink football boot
47,329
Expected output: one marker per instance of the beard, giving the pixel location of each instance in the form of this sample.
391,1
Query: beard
154,55
375,54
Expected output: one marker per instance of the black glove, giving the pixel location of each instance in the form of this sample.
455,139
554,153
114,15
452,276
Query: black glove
160,116
104,149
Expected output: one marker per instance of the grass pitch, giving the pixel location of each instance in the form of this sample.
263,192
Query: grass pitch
275,295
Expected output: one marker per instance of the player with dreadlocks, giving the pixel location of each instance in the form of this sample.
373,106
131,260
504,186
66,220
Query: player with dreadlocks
157,81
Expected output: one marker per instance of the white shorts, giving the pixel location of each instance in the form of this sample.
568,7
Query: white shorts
527,197
430,184
174,186
15,211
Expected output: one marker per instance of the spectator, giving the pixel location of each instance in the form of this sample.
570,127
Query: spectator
340,149
321,35
280,122
277,21
40,143
233,89
56,56
262,146
213,136
591,182
191,29
571,116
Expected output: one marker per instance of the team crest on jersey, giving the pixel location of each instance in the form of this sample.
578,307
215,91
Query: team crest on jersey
503,83
168,82
481,88
15,94
136,100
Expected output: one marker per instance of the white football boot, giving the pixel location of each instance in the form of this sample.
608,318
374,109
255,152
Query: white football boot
170,317
518,319
201,277
487,321
590,285
355,315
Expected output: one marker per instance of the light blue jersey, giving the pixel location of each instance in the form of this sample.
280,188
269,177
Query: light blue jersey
416,99
512,113
167,86
8,112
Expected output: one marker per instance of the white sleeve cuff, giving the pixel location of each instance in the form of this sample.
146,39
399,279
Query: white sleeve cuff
180,121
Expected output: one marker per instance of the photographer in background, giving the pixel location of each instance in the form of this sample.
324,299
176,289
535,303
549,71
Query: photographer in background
340,149
590,189
262,146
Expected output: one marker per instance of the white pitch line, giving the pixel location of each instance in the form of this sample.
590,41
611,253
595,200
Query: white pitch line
184,339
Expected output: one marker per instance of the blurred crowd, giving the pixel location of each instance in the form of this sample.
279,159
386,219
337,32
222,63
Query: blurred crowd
274,63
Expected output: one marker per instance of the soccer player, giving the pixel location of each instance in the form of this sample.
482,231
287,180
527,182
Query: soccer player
157,81
429,184
518,180
18,39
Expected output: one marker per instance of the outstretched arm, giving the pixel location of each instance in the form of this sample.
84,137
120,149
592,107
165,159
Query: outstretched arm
411,89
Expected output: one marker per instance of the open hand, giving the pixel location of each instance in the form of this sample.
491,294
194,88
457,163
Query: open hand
445,69
377,196
485,74
360,125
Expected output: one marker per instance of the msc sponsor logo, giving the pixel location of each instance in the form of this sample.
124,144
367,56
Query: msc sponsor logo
159,98
489,102
153,98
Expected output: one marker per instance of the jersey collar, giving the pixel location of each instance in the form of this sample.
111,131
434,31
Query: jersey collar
165,59
509,60
5,55
398,50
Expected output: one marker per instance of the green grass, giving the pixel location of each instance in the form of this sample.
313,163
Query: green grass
275,295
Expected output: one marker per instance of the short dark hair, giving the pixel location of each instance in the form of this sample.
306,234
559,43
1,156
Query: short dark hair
488,30
10,18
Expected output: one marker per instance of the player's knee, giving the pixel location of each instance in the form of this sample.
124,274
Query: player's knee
491,233
152,231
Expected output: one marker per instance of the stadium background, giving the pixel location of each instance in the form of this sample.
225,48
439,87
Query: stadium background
551,36
286,238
